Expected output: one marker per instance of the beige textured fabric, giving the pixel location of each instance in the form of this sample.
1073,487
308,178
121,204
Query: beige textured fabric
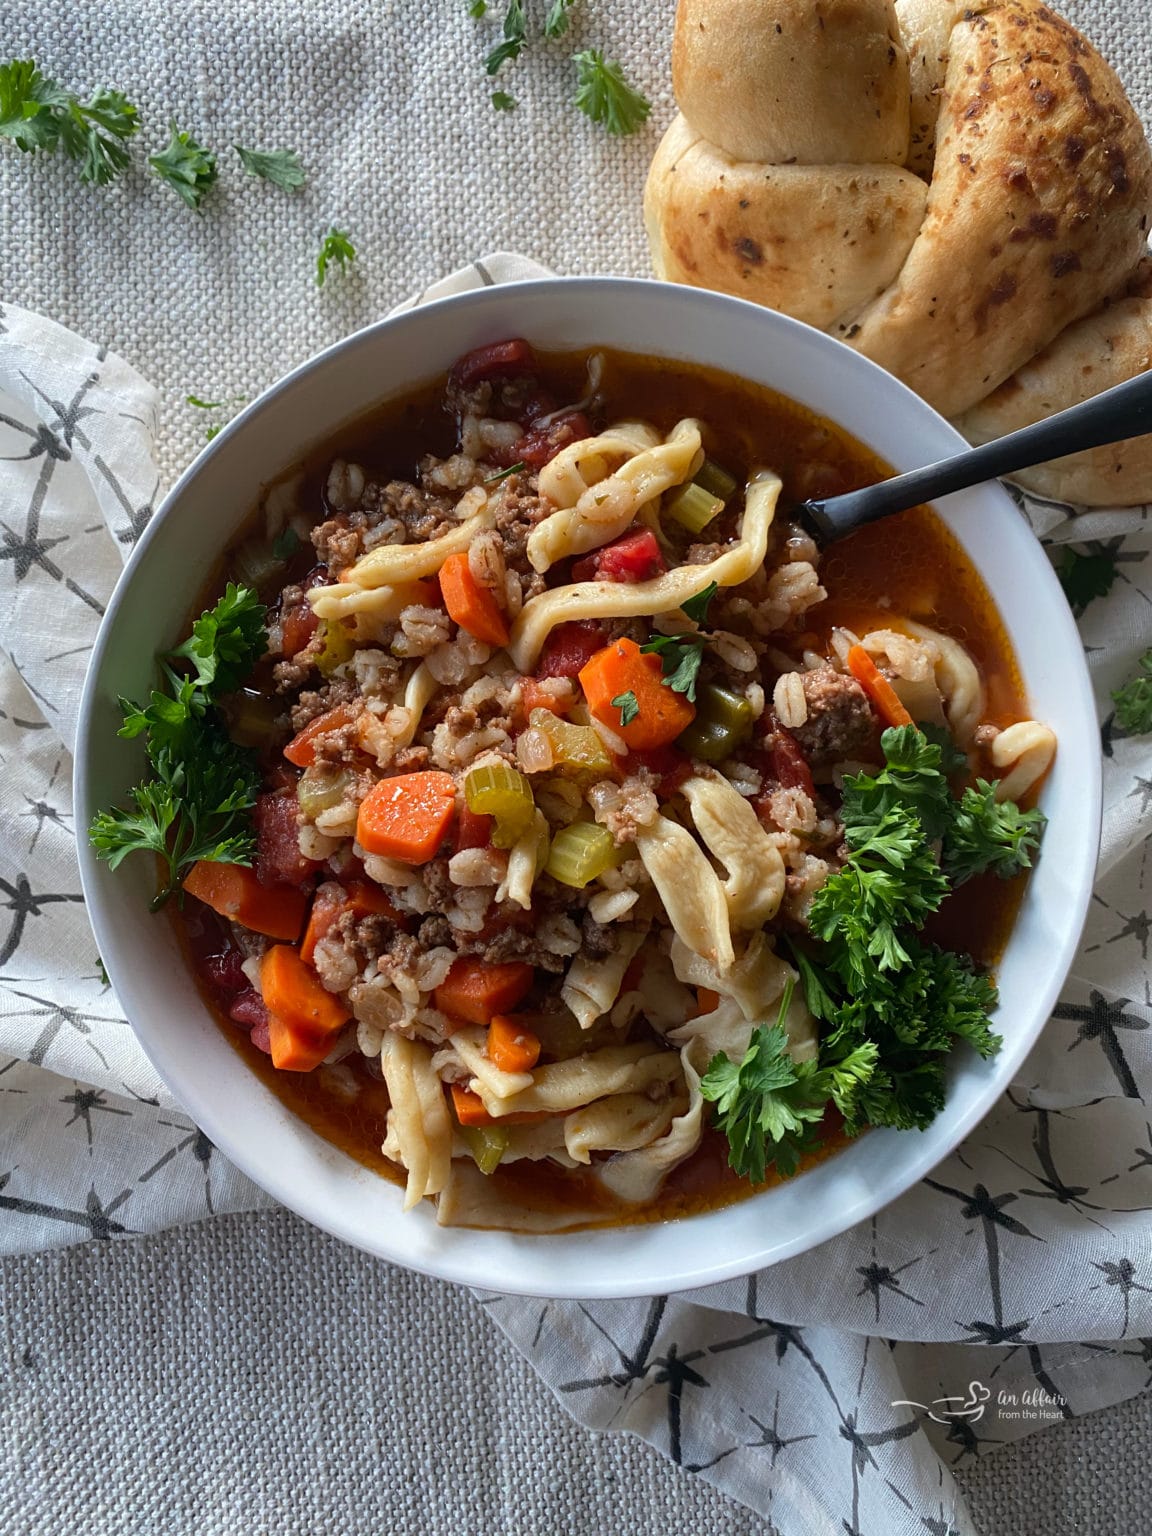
252,1375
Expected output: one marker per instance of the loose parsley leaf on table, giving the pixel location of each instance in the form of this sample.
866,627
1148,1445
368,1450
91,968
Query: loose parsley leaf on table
503,102
1085,577
186,166
279,166
37,114
194,805
557,21
515,35
604,95
335,247
1134,700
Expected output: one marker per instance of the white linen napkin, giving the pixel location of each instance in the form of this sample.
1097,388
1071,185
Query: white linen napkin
830,1393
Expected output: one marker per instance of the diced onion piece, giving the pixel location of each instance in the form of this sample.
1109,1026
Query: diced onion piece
577,750
692,507
580,853
320,790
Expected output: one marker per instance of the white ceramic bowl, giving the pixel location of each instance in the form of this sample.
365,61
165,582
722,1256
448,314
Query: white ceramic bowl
173,560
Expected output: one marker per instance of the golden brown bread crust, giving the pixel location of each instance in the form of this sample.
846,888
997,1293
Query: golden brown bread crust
807,82
1036,212
819,242
1106,348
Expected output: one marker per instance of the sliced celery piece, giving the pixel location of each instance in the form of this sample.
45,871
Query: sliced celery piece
580,852
487,1144
693,507
499,790
716,481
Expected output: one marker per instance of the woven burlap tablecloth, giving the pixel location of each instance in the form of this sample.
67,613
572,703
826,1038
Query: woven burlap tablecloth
150,1384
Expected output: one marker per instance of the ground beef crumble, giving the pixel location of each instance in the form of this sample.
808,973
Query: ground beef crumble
841,725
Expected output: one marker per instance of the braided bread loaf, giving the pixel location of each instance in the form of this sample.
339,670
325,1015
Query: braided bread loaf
957,189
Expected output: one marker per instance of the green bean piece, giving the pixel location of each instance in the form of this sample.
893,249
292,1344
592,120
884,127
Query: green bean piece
723,722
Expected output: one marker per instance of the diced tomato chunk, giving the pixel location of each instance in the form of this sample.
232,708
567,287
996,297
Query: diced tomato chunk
568,647
498,360
298,623
671,765
473,830
225,972
278,857
635,557
541,444
249,1009
783,765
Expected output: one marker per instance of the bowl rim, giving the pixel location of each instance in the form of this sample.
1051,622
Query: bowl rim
453,1264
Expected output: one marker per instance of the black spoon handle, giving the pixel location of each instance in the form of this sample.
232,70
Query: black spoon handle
1124,411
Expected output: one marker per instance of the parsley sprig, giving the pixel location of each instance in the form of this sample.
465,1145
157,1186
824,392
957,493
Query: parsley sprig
195,804
39,115
1085,577
769,1107
1134,700
604,94
335,247
681,655
185,166
893,1006
279,166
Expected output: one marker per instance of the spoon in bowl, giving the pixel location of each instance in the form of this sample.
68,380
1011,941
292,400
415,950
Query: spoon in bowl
1121,412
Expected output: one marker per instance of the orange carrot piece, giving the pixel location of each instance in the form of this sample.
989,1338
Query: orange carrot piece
511,1046
469,604
469,1110
234,891
357,896
469,1106
707,1001
301,750
294,1049
407,817
622,668
476,991
294,992
877,687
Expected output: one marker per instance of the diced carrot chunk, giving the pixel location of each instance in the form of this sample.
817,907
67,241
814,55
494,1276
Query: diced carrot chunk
407,816
234,891
301,750
293,991
476,991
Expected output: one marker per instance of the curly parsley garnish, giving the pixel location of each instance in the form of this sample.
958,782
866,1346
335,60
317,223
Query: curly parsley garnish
279,166
186,166
893,1005
1134,701
39,115
195,804
604,95
335,247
